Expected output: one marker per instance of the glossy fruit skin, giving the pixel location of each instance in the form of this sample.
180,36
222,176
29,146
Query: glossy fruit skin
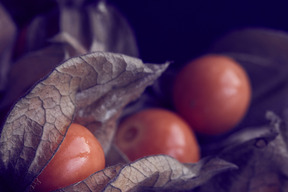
212,93
157,131
79,156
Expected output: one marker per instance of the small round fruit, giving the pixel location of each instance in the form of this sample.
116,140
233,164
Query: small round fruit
79,156
212,93
157,131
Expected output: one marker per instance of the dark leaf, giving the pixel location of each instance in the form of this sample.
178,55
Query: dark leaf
96,26
7,38
261,157
91,90
111,32
256,42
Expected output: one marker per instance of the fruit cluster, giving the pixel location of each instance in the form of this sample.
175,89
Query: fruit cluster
211,95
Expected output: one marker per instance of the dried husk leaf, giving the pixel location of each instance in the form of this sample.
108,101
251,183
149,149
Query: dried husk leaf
111,32
97,26
164,173
261,160
90,89
7,38
31,68
115,155
73,29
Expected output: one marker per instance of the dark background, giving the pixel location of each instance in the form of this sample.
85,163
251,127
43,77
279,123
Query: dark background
180,30
177,30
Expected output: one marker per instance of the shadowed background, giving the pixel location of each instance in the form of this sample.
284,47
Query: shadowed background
177,30
180,30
